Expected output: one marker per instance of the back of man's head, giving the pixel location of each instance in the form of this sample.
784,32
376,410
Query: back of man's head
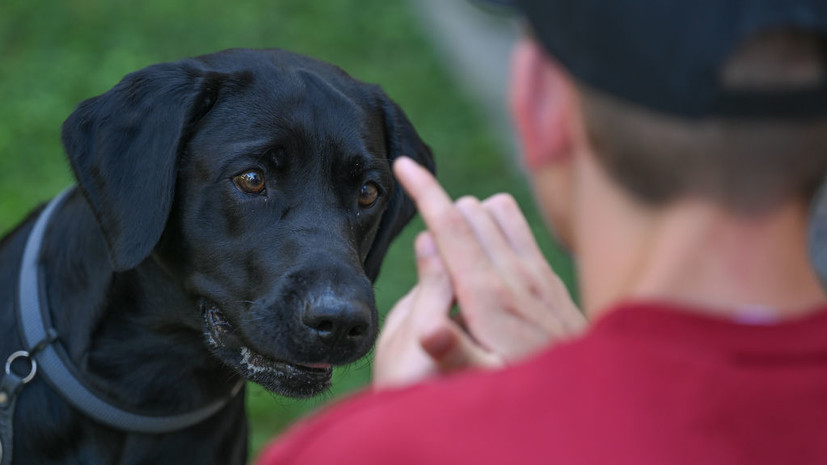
747,164
720,99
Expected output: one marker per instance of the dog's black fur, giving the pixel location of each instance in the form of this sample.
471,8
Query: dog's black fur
167,281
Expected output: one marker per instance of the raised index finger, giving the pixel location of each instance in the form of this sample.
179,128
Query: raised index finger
479,288
457,244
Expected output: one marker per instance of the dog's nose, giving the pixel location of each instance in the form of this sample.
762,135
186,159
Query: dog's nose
338,323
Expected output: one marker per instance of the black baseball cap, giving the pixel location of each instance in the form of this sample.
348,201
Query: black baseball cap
667,55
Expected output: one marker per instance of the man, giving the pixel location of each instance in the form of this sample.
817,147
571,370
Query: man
674,147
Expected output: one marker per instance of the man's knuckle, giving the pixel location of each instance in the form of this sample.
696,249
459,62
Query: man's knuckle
467,201
472,285
524,276
452,221
499,292
504,201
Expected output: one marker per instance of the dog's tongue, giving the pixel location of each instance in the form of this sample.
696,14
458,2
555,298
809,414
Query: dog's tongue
320,366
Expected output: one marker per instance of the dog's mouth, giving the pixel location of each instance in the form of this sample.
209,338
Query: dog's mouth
280,376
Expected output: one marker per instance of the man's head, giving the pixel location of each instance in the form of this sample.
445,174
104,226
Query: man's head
746,135
660,134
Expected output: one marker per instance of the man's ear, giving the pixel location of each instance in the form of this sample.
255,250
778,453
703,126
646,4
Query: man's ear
400,139
123,147
542,103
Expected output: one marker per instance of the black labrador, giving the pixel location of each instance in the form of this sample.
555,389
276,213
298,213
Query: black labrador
231,214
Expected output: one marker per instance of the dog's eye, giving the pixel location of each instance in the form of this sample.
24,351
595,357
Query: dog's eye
368,194
251,182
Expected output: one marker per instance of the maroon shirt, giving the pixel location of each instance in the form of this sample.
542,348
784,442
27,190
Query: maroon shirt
648,384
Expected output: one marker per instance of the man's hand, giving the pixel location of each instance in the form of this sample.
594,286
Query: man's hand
482,257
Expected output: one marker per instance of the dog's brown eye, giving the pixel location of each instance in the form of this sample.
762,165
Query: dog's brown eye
251,182
368,194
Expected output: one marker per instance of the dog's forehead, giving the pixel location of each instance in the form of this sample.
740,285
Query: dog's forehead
302,106
313,100
289,82
289,92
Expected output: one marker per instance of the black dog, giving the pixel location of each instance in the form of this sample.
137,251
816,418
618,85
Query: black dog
232,211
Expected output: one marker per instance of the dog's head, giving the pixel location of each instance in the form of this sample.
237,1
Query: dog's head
261,180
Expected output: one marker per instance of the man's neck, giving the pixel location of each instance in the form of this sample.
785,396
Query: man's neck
697,254
723,265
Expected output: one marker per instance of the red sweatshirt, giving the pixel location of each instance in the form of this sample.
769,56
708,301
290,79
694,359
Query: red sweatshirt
648,384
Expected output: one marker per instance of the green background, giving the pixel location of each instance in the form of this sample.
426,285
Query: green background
54,54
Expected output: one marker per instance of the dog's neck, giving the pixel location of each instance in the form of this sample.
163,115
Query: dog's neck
135,335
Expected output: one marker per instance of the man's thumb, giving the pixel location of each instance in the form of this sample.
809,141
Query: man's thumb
452,350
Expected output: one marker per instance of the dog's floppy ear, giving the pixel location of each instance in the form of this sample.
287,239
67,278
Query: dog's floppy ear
400,139
123,147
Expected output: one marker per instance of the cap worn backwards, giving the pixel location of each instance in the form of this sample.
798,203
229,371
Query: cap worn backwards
668,55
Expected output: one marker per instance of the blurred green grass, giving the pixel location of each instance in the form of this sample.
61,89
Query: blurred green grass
55,54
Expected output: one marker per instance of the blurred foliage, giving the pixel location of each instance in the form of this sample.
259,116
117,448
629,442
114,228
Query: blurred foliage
57,53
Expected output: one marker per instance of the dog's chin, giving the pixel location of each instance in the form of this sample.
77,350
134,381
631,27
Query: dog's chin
282,377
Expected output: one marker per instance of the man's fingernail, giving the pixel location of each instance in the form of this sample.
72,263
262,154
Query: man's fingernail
425,245
403,162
